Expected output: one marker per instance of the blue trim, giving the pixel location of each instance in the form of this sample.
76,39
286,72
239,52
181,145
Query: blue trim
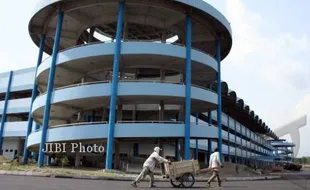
33,97
3,119
176,149
188,83
219,96
228,131
196,150
50,86
127,89
123,130
110,141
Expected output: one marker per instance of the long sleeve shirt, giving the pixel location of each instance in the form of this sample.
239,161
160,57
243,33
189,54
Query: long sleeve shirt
151,161
215,160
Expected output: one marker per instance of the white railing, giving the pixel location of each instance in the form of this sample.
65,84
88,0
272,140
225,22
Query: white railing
78,124
106,122
133,40
129,80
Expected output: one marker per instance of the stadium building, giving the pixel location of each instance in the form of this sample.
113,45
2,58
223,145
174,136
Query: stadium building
129,75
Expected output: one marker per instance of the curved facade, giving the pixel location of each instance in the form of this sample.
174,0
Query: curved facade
133,73
159,56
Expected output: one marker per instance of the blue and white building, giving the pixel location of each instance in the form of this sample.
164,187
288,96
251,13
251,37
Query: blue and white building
129,75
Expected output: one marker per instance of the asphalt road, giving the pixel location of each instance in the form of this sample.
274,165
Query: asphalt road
41,183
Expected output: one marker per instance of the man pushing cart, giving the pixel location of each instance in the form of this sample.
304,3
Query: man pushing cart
148,167
180,173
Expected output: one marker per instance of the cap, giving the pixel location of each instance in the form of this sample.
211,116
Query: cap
156,149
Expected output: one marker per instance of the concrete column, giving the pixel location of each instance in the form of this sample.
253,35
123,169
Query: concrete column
181,143
91,34
135,149
125,29
163,36
181,113
210,118
162,154
80,116
176,150
209,149
119,112
116,155
104,114
48,160
162,75
134,112
77,159
196,150
206,158
161,110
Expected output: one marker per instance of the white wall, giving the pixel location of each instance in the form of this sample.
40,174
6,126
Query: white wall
10,144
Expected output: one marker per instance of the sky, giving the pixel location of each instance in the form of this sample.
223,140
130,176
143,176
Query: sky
267,67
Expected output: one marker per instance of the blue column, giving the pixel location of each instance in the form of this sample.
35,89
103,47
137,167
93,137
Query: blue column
50,85
235,123
196,150
210,117
114,87
33,97
219,95
228,137
188,81
196,119
3,119
176,150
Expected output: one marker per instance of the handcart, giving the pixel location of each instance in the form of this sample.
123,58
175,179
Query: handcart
182,173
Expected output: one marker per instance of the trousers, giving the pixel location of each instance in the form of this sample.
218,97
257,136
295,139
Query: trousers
215,174
145,171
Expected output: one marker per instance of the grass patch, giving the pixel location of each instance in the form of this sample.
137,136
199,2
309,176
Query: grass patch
58,170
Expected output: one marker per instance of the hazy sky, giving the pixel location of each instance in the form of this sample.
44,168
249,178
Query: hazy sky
268,66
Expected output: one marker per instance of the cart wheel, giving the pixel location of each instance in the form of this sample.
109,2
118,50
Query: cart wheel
188,180
177,182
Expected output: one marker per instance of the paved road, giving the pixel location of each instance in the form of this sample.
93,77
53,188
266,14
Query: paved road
41,183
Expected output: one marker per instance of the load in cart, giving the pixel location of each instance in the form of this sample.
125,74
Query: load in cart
182,173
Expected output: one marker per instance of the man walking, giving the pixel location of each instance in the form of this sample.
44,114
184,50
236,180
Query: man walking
214,164
148,167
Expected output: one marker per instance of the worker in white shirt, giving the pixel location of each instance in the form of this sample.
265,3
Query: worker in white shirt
214,164
148,167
